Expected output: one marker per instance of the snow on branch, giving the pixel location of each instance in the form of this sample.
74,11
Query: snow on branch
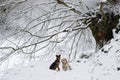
45,25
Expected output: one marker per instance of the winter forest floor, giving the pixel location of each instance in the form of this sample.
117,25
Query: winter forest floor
102,66
80,71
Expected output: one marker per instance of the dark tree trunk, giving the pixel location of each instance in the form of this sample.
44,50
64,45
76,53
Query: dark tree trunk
102,30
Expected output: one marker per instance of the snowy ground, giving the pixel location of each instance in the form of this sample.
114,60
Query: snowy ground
80,71
102,66
40,70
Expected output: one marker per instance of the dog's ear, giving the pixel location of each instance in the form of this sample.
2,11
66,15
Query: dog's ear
56,55
59,55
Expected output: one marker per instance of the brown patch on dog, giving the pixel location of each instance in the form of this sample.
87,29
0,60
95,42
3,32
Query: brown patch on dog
56,63
65,65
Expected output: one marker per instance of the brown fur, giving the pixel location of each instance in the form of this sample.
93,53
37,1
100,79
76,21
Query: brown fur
56,63
65,65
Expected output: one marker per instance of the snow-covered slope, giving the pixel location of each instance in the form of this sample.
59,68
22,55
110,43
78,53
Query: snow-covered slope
102,66
40,71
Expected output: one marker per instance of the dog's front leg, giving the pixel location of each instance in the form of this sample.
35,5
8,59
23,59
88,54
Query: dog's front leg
58,69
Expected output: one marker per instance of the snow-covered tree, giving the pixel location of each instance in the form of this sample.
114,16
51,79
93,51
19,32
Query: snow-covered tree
39,27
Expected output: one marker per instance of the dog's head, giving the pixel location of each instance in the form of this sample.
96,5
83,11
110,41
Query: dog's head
64,61
58,57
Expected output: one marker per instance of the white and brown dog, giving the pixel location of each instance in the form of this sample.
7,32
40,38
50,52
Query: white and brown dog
65,65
